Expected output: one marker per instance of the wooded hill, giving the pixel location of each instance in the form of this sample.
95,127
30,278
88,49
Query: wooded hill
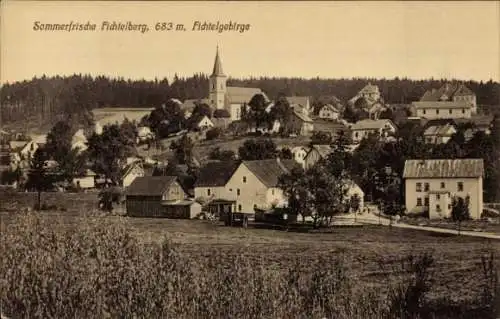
47,98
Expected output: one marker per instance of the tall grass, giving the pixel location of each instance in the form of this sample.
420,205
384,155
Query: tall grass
97,269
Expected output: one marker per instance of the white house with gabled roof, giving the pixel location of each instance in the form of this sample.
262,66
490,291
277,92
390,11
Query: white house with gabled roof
431,185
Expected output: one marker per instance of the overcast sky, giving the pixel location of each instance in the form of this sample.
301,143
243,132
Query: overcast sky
295,39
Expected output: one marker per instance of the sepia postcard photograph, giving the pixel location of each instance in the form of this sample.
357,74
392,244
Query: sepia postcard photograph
250,159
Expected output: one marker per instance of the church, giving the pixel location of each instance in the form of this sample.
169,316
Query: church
223,97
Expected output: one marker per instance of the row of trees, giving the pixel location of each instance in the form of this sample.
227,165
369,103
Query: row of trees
45,98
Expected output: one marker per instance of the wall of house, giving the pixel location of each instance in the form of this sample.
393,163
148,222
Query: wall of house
174,192
356,190
431,113
133,174
358,135
252,191
471,186
235,112
326,113
85,182
141,206
439,205
276,198
209,193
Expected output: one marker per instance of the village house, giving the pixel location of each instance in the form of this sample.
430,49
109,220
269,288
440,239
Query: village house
300,104
331,128
131,171
431,185
254,184
361,129
439,134
159,196
315,154
212,179
86,180
117,115
370,92
79,141
299,154
443,110
300,124
201,122
329,111
353,190
144,133
452,92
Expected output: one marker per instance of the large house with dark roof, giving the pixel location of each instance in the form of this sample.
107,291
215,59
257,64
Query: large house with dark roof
449,101
431,185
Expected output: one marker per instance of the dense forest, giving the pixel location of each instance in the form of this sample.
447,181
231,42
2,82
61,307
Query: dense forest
46,98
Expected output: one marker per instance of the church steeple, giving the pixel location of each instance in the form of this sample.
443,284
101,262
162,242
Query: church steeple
217,71
217,84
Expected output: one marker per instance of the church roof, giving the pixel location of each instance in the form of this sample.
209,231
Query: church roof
241,95
217,65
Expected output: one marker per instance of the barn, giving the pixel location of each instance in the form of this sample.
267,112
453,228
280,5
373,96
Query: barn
159,196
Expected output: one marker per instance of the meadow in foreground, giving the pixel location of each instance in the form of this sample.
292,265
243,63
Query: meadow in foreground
98,267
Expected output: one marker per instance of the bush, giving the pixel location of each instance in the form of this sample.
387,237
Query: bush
213,133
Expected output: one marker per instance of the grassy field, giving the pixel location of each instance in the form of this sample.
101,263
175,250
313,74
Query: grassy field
370,257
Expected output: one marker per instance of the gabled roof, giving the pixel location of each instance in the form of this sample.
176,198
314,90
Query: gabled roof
150,185
17,145
240,95
321,125
371,124
447,90
480,121
268,171
302,116
444,168
442,105
323,150
299,100
369,88
129,167
215,174
440,130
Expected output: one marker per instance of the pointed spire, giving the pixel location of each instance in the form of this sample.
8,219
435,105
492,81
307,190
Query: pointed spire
218,64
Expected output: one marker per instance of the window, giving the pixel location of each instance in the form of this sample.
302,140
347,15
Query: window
239,207
419,187
419,201
449,206
460,186
438,208
244,179
208,192
463,111
423,111
272,191
438,197
437,111
230,189
426,187
449,111
356,134
238,192
426,201
443,185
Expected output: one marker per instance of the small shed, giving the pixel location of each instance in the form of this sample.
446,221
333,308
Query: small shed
159,196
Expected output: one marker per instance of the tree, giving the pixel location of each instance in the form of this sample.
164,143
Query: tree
39,177
202,109
281,111
59,141
213,133
258,149
295,187
108,152
222,155
350,115
285,153
354,204
183,149
109,196
256,113
460,210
